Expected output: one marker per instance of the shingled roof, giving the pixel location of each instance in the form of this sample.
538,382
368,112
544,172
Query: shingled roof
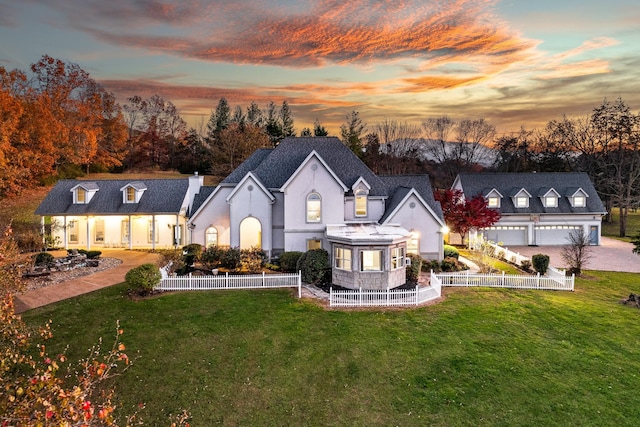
565,183
398,186
162,196
275,166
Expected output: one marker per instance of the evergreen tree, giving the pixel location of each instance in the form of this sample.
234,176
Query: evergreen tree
352,133
319,130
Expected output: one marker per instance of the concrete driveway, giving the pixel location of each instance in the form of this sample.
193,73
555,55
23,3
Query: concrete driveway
611,255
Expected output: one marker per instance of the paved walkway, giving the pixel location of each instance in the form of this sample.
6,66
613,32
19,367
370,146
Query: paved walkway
82,285
611,255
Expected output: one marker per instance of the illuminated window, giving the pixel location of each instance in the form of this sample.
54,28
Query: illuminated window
131,195
494,202
124,231
397,258
342,259
314,244
81,195
98,231
313,207
361,203
152,228
371,261
579,201
211,237
522,202
551,201
73,231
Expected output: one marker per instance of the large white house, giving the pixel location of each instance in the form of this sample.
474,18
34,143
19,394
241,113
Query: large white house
306,193
538,209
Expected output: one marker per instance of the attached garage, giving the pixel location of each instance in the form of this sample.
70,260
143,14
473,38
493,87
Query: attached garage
550,235
507,235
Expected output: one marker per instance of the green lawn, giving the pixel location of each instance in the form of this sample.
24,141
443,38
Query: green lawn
480,357
612,229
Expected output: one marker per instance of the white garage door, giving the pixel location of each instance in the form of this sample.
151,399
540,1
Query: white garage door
506,235
549,235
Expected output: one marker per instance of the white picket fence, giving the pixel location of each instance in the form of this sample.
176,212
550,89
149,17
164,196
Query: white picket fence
382,297
505,253
252,281
513,281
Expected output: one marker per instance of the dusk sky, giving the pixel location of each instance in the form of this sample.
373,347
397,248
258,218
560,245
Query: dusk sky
514,62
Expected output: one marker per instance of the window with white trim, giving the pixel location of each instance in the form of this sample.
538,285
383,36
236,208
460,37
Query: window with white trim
361,203
371,260
98,230
73,231
342,258
522,202
314,208
397,258
494,202
81,195
130,195
579,201
124,231
211,237
551,202
151,226
314,244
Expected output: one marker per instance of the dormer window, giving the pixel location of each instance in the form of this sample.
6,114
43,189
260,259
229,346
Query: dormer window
314,207
82,193
522,202
494,202
579,201
551,202
361,203
132,192
130,196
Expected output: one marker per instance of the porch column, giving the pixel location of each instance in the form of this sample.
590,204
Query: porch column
176,232
64,232
129,232
88,235
153,232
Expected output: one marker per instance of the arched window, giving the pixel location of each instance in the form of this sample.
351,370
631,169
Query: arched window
314,208
211,237
361,203
250,233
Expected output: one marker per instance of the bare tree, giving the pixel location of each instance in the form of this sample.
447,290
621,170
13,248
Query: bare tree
437,131
398,140
576,252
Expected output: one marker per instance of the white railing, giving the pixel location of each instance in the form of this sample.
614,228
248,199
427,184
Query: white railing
505,253
382,297
253,281
503,280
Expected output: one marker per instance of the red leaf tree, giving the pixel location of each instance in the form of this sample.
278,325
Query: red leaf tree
462,215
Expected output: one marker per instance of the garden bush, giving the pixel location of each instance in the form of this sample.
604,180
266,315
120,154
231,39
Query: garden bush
93,254
540,263
413,270
194,249
526,265
451,252
314,266
431,265
289,261
221,257
43,259
143,278
252,260
230,259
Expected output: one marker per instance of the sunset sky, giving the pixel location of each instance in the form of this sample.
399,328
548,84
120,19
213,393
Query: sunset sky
514,62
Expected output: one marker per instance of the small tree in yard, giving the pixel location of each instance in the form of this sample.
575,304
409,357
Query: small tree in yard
143,278
540,263
577,252
636,244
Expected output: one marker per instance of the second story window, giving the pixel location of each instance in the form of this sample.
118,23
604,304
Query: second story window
131,195
361,203
314,206
522,202
494,202
579,201
81,195
551,202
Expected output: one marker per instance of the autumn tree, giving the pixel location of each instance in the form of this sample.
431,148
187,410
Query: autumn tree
236,144
462,215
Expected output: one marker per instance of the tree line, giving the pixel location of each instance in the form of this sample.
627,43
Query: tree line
57,122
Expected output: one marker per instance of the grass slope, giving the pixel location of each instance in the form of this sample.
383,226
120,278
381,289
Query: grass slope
480,357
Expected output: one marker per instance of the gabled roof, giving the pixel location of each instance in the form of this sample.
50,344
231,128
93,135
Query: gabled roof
251,176
398,188
275,166
87,185
136,185
314,154
163,196
563,182
200,198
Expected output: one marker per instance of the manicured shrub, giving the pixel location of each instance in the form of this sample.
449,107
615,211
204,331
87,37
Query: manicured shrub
289,261
252,260
93,254
211,257
540,263
413,270
43,259
143,278
429,265
314,266
231,259
194,249
451,252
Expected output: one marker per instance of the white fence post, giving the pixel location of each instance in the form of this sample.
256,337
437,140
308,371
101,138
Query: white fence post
299,284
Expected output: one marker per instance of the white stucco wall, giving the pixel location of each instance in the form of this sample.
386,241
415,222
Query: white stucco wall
214,213
421,220
249,200
296,228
